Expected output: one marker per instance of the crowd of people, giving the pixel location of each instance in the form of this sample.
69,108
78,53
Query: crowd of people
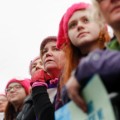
66,62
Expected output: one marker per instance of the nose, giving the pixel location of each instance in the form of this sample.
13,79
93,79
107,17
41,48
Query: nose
12,89
80,26
49,53
38,66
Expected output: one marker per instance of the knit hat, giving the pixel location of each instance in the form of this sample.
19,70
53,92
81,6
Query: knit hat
45,41
31,62
24,82
63,26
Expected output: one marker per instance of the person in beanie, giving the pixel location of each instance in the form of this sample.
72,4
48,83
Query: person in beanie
43,81
106,64
3,104
16,91
80,32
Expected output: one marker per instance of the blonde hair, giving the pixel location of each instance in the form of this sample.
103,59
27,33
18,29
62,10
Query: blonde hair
96,15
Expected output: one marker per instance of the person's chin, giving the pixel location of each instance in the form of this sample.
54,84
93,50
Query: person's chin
50,67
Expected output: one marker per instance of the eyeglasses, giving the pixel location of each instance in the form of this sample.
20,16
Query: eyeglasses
100,1
16,87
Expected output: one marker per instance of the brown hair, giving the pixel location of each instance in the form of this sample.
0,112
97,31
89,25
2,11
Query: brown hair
10,113
45,41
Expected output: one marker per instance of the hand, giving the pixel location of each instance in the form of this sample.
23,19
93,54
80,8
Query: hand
73,89
41,76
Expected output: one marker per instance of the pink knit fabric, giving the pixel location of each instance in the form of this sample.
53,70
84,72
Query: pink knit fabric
24,82
63,26
39,84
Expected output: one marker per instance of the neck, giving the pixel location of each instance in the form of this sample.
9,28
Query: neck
88,48
55,73
18,106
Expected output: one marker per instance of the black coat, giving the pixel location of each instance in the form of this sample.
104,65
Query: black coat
27,112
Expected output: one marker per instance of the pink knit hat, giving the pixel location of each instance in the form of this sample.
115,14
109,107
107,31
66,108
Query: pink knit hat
63,26
46,40
24,82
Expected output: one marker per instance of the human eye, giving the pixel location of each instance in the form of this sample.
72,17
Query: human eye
85,20
72,24
33,65
8,89
17,86
44,51
55,48
99,1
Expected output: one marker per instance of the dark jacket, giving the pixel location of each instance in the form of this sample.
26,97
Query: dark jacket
44,109
33,107
103,62
27,112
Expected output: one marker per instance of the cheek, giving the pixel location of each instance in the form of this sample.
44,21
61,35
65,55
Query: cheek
61,60
95,31
23,94
71,35
8,97
104,9
32,71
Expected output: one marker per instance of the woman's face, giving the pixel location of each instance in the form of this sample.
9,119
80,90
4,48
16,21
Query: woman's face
52,57
111,12
36,65
82,28
15,92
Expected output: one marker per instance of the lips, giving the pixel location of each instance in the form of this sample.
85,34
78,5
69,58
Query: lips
81,34
115,8
48,60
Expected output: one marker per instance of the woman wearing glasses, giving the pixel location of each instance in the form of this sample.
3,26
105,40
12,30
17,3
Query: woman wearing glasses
16,91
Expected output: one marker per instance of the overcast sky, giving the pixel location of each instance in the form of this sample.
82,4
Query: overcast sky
23,24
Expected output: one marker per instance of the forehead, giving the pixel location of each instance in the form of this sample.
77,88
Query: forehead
36,61
80,13
50,44
13,84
